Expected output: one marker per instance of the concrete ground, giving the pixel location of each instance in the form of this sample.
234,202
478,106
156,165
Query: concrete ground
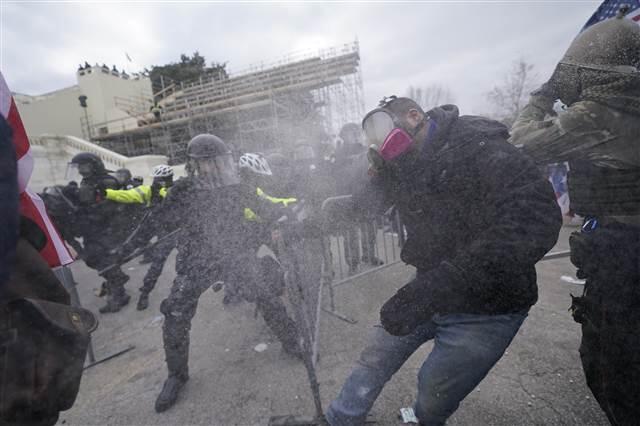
538,381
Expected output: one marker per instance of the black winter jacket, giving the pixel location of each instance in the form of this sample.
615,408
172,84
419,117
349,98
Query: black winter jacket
478,216
214,229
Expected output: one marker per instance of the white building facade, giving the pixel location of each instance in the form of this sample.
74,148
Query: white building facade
115,102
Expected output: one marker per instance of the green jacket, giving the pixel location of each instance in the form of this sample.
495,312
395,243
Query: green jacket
602,146
138,195
587,130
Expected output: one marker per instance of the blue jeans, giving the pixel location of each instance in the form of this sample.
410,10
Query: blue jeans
465,348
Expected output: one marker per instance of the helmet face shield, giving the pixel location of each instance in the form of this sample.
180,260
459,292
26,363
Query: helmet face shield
377,125
73,172
218,171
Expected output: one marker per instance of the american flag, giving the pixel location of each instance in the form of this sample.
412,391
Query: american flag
609,8
558,177
31,205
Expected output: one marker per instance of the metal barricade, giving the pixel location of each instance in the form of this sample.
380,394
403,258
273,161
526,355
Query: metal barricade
363,246
320,259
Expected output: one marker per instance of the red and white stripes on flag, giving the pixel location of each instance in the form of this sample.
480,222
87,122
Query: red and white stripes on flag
31,205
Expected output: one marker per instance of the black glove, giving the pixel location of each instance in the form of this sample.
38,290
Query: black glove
407,309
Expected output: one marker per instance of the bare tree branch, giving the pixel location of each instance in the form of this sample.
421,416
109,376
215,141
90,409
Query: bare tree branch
512,95
430,96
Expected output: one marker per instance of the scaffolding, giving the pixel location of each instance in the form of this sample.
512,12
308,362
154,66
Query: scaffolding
303,98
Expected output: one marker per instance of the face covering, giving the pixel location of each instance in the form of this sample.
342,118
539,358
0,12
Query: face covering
382,130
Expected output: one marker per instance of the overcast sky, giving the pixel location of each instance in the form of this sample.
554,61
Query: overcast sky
466,46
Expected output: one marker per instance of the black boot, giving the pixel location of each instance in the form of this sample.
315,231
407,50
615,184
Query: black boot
170,390
117,297
143,302
293,350
275,315
177,357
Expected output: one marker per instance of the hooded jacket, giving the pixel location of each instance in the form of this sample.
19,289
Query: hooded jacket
478,216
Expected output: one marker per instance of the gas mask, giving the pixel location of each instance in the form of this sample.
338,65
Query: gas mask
389,138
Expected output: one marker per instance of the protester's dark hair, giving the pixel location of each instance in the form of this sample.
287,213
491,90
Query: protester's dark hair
401,106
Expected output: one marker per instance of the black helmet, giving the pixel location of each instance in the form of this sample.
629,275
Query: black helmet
351,133
88,158
123,176
210,158
85,164
206,146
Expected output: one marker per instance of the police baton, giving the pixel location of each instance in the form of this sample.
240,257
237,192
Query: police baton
137,252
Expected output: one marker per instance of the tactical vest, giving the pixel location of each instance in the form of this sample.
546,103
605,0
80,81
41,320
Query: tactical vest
603,191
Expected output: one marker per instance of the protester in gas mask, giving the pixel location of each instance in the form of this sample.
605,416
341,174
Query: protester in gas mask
222,223
599,135
478,216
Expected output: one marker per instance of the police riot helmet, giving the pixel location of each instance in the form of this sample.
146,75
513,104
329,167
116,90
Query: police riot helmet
206,146
123,176
209,158
351,133
85,164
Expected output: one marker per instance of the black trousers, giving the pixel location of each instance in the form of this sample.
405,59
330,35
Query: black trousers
256,284
97,257
610,317
158,255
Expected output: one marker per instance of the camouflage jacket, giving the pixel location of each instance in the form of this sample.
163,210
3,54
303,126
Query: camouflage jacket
587,130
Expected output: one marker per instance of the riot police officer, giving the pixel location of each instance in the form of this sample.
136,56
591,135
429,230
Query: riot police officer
599,82
99,225
150,196
124,178
216,242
